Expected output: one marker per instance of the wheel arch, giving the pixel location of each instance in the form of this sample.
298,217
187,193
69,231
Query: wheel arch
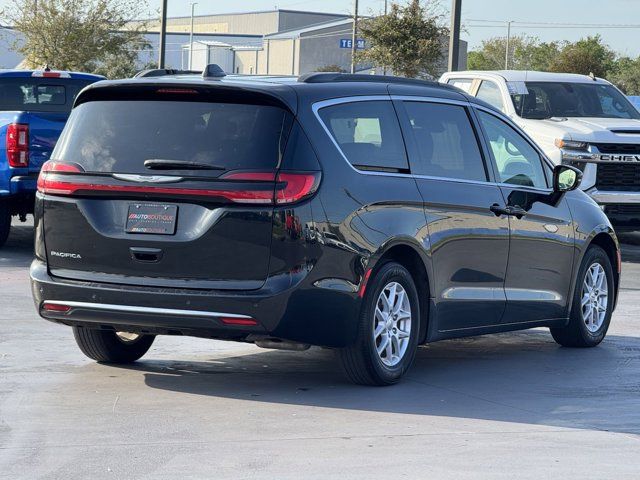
609,244
409,255
604,237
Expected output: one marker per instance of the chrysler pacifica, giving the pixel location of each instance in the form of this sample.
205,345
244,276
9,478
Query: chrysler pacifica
365,214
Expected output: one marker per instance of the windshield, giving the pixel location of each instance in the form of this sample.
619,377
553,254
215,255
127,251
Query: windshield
564,99
39,94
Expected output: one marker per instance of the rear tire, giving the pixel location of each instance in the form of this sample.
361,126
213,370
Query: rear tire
389,323
5,222
588,325
109,347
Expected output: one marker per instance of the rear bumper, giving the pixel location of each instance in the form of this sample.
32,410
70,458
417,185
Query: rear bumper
302,312
19,185
24,183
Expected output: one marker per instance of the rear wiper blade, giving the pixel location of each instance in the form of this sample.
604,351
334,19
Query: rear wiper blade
160,164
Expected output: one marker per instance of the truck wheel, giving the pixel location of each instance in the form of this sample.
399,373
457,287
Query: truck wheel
5,222
388,329
112,347
592,302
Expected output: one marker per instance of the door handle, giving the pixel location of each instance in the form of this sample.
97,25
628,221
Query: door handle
499,210
517,211
511,211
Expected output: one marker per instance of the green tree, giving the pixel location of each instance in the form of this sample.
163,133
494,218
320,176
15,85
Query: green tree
408,40
331,68
626,75
587,55
525,53
82,35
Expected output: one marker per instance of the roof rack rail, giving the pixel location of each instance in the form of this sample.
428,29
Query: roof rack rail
330,77
161,72
213,70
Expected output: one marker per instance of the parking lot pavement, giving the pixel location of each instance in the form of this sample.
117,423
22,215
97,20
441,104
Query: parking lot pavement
501,406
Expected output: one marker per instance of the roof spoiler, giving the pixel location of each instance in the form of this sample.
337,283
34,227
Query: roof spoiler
212,70
161,72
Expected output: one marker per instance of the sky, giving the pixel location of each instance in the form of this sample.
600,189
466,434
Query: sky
481,19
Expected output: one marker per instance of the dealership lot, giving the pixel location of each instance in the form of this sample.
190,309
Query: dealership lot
502,406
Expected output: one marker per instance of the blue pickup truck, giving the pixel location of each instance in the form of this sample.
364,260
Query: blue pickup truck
34,106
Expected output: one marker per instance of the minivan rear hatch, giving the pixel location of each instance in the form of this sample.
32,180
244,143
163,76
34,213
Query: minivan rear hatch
166,186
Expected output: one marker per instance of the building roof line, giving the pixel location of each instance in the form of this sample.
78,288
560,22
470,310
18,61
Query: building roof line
280,10
295,32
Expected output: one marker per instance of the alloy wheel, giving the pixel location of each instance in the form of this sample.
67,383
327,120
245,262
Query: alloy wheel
595,297
392,324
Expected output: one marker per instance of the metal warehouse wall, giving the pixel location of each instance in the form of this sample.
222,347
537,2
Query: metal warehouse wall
291,20
9,58
260,23
322,47
281,56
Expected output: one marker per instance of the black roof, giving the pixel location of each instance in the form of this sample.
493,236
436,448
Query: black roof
287,90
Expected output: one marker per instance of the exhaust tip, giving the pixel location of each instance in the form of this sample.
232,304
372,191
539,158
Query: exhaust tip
280,344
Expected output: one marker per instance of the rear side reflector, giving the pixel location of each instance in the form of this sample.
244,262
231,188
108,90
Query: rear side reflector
363,284
239,321
17,145
55,307
619,260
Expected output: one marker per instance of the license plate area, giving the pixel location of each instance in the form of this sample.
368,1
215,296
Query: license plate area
152,218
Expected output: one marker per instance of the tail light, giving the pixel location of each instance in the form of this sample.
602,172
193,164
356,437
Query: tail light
266,188
297,186
57,187
290,187
17,145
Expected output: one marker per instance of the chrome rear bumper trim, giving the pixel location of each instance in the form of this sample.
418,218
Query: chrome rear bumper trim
137,309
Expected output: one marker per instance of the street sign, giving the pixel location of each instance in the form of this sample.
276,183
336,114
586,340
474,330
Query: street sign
347,43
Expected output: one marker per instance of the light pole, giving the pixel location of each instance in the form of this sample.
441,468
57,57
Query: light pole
506,53
386,11
163,34
354,37
193,4
454,36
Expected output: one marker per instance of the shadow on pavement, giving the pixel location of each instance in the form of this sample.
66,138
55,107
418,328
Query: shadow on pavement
18,251
523,377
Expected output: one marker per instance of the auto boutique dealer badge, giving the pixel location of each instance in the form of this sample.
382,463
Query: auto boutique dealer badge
152,218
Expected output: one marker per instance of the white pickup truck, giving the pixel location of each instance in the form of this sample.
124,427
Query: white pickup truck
575,119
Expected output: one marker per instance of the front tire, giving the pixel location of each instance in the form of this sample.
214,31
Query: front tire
387,331
112,347
5,222
592,302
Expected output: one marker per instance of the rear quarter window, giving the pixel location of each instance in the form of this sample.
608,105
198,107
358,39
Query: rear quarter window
368,134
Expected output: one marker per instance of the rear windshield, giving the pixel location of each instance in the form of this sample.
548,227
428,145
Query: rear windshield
119,136
39,94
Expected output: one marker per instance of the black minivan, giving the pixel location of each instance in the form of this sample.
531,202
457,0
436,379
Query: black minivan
369,214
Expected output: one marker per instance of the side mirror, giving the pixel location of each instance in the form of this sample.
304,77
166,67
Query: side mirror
566,178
